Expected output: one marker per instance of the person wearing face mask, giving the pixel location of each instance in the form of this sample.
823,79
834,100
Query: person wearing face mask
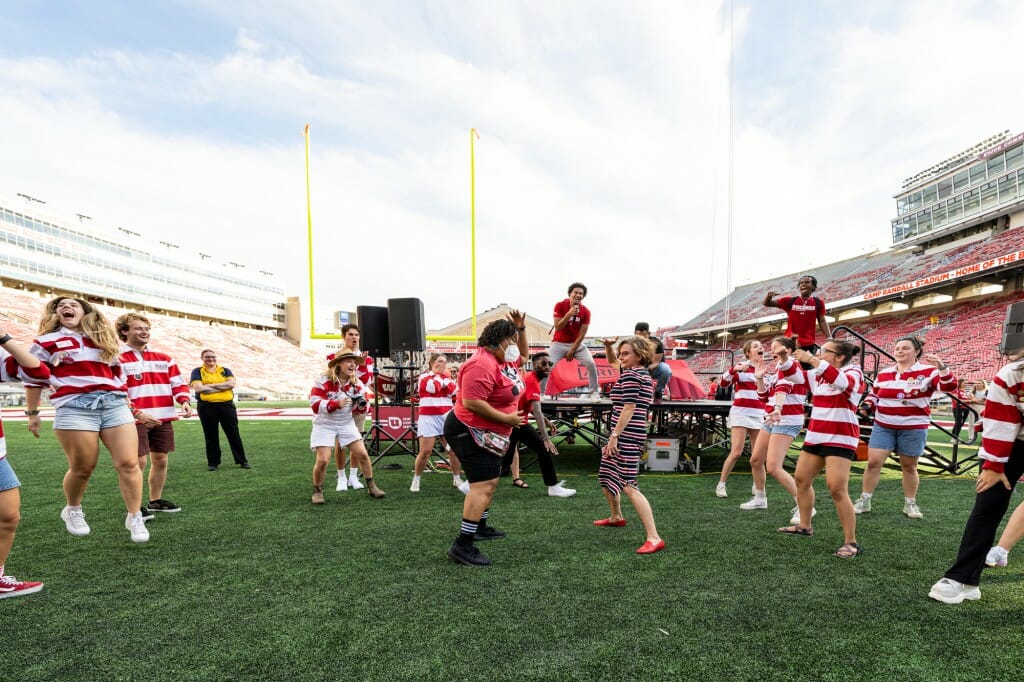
480,426
900,399
540,443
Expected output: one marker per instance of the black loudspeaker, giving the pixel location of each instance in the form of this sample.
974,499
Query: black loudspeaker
1013,329
373,330
406,320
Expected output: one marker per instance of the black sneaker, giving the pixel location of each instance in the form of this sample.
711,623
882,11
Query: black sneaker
245,465
163,505
212,467
146,514
488,533
468,556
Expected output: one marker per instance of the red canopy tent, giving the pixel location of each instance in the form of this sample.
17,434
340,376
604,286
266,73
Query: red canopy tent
684,385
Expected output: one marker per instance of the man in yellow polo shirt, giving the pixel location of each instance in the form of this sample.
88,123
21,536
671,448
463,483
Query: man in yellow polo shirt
214,387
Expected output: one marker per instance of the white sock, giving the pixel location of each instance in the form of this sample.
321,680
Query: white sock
353,474
910,500
415,478
456,479
760,494
77,508
866,496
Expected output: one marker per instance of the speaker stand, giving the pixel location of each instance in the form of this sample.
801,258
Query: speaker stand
396,445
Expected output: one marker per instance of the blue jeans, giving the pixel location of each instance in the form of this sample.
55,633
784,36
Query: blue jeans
661,374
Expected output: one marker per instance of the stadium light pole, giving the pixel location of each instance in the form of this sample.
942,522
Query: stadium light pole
309,250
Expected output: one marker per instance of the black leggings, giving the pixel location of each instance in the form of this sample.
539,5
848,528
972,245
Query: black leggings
530,437
980,531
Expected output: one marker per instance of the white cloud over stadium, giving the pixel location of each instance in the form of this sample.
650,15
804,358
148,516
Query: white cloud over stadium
603,150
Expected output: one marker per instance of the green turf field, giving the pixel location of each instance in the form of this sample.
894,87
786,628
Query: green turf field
252,582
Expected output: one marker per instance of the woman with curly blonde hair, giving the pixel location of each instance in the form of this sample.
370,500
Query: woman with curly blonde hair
87,388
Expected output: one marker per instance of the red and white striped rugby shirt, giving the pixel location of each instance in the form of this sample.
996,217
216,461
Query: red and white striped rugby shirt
1001,420
745,401
901,400
154,383
326,390
435,391
790,379
10,370
75,366
834,406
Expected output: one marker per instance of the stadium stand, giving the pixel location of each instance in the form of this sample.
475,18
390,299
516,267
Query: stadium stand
265,364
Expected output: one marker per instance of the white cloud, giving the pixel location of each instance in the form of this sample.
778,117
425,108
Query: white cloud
601,155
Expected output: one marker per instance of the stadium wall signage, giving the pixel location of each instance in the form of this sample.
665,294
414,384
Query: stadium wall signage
1007,259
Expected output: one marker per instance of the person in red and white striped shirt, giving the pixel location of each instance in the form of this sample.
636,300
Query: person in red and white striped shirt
1002,464
832,436
154,386
365,373
88,391
783,389
338,401
436,388
746,416
16,364
901,400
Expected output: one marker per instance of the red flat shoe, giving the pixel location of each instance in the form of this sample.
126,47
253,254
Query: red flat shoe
609,522
651,547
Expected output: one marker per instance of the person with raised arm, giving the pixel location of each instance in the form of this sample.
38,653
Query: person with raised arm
746,416
632,396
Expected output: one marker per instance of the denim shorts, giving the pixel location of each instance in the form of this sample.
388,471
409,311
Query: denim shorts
791,430
93,412
907,442
8,481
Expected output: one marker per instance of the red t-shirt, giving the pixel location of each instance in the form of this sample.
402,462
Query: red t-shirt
801,317
571,330
531,392
483,377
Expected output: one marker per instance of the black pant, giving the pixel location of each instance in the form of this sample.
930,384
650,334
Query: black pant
224,415
959,418
529,436
989,509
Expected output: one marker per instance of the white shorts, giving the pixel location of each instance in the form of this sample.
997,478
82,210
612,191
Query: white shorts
324,436
745,421
430,425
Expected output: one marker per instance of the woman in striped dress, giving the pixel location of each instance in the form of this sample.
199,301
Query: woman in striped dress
747,413
436,388
88,390
832,435
632,396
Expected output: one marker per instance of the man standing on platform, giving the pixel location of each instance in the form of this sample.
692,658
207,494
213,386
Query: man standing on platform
215,390
364,370
154,385
572,320
659,369
802,312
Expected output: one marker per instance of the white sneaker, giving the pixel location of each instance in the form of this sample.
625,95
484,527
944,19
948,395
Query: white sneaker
137,527
862,506
595,396
75,522
912,510
342,482
463,487
720,490
415,487
951,592
795,518
756,503
353,482
997,556
558,490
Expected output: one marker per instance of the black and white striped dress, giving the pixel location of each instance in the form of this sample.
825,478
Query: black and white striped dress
634,386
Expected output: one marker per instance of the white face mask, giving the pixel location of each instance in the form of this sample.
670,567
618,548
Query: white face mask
511,353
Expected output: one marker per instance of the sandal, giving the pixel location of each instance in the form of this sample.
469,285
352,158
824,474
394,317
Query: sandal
849,550
519,483
797,530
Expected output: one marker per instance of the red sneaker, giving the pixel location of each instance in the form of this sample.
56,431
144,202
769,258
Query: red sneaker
609,522
12,587
651,547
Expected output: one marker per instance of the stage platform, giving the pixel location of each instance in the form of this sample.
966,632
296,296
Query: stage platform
698,424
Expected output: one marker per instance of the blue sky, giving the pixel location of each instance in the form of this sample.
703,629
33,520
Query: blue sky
603,125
